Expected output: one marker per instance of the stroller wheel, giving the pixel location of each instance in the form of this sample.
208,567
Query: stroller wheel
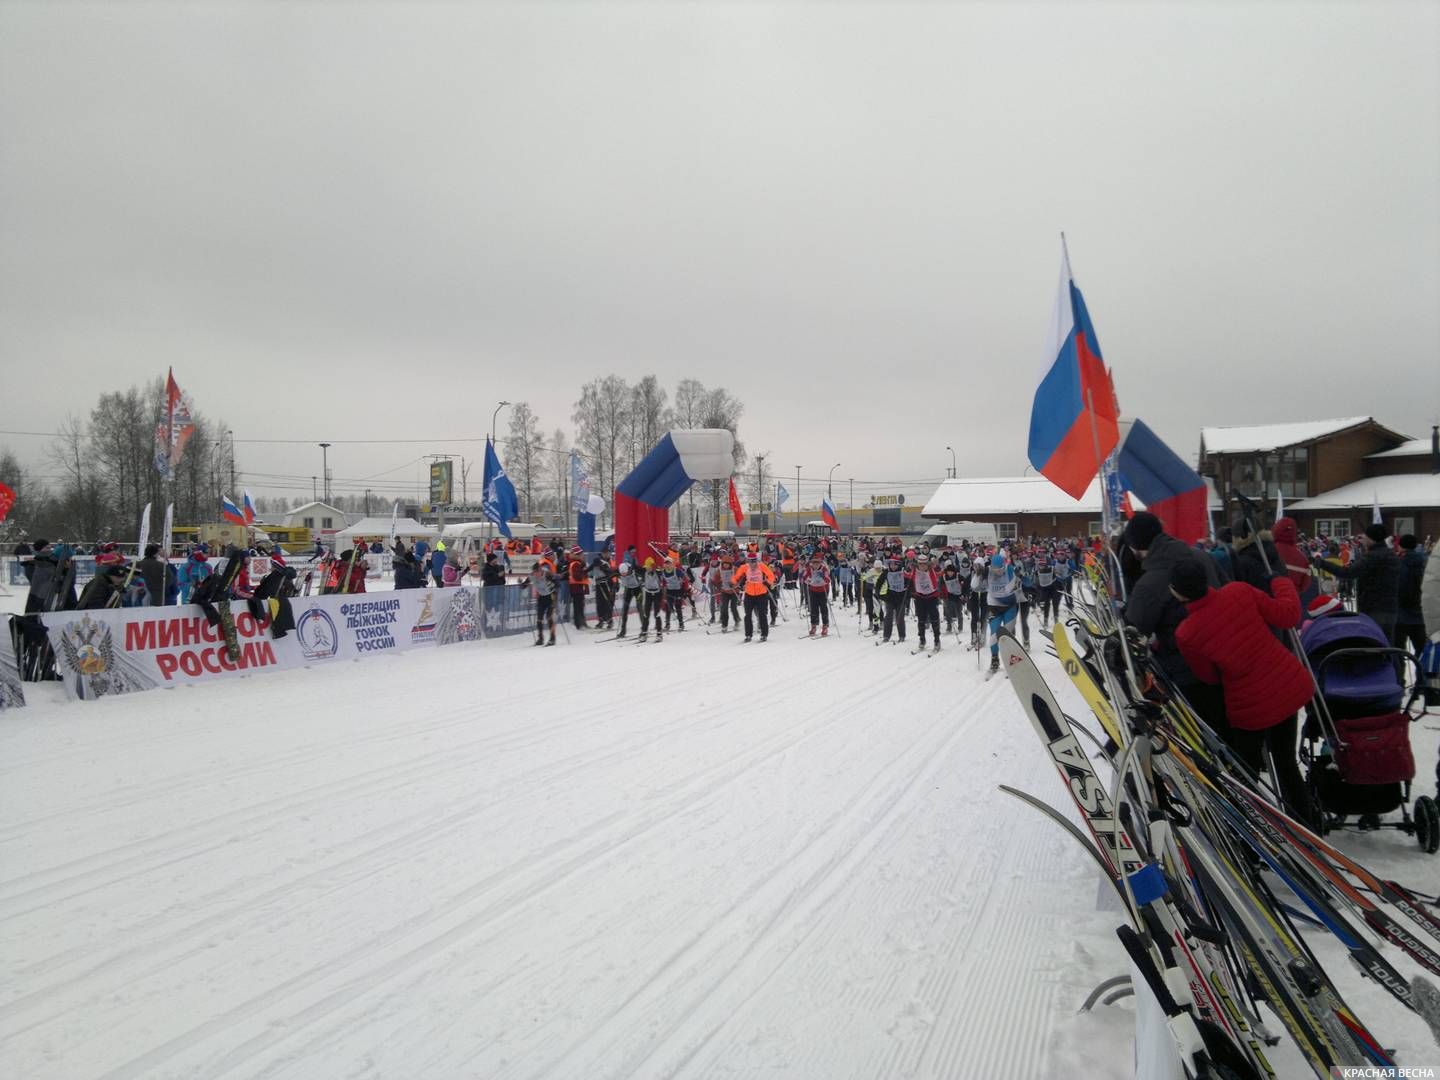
1427,824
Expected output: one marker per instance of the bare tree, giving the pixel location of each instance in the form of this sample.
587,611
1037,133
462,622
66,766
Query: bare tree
522,458
602,430
559,465
83,514
721,410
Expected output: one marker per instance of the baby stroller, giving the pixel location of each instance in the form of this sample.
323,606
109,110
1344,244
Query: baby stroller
1369,774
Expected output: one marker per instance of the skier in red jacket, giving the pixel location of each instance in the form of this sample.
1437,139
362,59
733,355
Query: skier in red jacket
1226,638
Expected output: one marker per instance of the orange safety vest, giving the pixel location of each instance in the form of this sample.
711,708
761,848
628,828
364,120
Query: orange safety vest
757,577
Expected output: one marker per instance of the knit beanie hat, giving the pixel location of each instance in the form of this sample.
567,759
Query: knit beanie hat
1377,532
1142,530
1188,578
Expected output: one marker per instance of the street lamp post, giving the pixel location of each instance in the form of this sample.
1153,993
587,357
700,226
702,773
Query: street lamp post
325,469
760,480
798,530
494,416
852,506
952,462
232,459
829,489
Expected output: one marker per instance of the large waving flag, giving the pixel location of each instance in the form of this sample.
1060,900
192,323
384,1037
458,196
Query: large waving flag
247,506
174,429
501,503
230,512
827,514
1074,406
735,511
1170,489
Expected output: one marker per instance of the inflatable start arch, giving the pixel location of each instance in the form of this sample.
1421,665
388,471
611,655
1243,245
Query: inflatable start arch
643,499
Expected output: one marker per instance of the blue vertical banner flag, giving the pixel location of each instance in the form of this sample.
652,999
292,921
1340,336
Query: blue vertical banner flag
781,495
500,503
579,485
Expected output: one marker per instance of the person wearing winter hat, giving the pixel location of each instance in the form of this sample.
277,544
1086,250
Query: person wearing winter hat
1376,574
1153,610
1226,638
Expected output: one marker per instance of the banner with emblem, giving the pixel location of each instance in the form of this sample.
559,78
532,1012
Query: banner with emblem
121,650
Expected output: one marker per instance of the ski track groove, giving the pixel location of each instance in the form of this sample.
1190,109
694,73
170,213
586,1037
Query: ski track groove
260,814
991,969
301,756
427,835
893,813
554,860
390,989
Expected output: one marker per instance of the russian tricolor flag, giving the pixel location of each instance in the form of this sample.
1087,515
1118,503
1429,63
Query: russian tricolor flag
248,506
230,512
1170,489
1075,402
827,514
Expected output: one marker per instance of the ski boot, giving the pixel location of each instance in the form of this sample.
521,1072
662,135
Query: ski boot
551,641
937,647
539,641
994,663
812,631
643,635
825,631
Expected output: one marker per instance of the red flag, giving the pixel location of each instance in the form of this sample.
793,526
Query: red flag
735,505
7,500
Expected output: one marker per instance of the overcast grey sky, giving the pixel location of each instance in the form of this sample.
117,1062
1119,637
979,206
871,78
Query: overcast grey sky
344,221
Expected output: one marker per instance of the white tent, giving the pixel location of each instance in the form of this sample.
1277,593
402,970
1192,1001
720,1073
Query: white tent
406,528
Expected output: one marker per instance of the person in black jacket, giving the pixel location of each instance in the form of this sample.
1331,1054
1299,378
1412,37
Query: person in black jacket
492,573
1246,563
158,575
408,574
1377,579
1152,609
108,580
1410,620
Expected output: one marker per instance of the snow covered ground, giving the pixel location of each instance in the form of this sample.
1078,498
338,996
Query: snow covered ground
696,859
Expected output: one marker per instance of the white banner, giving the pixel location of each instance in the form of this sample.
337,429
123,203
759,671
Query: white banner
121,650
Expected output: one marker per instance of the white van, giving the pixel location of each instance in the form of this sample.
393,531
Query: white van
957,532
466,541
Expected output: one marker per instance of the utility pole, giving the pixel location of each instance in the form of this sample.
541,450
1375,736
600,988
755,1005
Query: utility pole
852,506
325,468
232,461
367,502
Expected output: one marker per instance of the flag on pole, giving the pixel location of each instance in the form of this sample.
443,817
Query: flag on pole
144,531
1279,504
780,495
827,514
230,512
174,429
247,507
167,532
1170,489
1375,517
500,501
735,510
1074,405
394,521
7,500
579,485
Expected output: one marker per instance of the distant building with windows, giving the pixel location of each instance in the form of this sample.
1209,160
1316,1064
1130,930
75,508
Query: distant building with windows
1018,506
1331,473
320,517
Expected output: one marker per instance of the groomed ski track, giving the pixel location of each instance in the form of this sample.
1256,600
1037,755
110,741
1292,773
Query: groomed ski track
686,860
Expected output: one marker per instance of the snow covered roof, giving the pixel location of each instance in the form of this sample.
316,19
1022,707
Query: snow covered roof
380,526
1403,491
312,506
1410,448
1007,495
1244,440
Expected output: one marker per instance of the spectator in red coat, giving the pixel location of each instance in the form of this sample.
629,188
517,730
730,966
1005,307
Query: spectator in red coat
1296,562
1226,638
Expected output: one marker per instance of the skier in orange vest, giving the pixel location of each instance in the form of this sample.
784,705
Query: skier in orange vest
757,578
